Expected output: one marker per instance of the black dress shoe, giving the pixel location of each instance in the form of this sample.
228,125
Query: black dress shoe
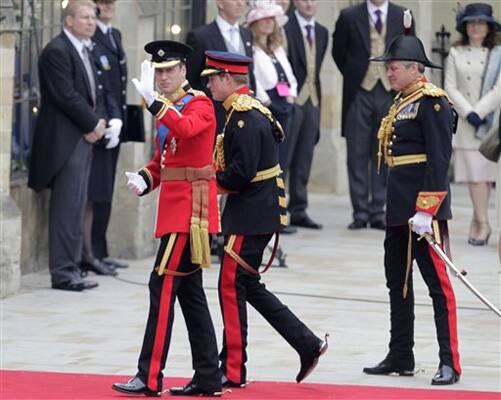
75,285
378,225
114,263
309,363
305,222
226,383
288,230
445,375
97,267
192,389
358,224
385,367
135,386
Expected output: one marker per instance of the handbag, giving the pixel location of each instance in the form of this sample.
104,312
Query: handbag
134,130
490,147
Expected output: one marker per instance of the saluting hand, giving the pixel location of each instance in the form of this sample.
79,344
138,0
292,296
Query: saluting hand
135,183
145,86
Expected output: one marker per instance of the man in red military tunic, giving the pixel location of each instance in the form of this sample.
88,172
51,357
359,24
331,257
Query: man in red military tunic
182,169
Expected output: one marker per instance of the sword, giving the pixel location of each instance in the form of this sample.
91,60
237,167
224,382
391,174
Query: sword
459,274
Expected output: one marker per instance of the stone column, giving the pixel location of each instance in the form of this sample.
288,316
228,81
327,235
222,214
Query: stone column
10,217
130,234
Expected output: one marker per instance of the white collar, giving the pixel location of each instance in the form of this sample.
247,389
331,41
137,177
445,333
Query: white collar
77,43
104,27
371,8
303,21
224,26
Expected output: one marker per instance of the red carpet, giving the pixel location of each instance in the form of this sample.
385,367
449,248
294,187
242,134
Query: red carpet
57,386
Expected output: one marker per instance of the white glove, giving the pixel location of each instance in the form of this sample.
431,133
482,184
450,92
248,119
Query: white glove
421,223
135,183
145,86
113,133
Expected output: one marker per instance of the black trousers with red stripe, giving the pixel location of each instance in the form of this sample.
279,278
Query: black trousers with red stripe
434,273
189,291
237,286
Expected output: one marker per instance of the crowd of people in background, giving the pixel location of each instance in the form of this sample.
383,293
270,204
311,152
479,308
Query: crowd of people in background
262,89
288,47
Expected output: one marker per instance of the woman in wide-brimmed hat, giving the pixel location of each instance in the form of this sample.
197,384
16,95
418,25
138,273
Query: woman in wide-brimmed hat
472,81
276,85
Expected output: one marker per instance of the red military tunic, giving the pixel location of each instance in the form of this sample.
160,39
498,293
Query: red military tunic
189,143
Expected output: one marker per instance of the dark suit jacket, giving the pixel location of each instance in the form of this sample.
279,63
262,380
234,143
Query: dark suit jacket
209,37
351,45
67,110
297,54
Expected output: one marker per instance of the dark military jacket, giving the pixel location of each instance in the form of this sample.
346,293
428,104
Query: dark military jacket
419,125
245,151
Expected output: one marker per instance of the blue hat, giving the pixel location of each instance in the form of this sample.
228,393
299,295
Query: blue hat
223,62
167,53
475,12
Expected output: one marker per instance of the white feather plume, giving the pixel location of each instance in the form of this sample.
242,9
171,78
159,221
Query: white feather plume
407,19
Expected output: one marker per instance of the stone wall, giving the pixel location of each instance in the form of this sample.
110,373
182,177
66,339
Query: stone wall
10,217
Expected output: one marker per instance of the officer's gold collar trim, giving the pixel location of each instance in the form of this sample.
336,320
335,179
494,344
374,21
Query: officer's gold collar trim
228,102
412,87
179,93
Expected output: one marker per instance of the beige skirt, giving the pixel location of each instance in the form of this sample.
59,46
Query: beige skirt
471,166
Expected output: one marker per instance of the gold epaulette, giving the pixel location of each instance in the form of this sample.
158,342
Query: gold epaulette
244,102
429,89
195,92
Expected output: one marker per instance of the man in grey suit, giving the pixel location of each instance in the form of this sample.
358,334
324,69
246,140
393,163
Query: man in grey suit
362,31
71,118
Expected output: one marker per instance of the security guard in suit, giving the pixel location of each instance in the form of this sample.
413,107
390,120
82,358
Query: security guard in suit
111,62
187,213
415,142
246,155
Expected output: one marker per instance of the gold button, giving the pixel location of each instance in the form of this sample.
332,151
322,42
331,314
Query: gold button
389,151
393,129
394,137
391,143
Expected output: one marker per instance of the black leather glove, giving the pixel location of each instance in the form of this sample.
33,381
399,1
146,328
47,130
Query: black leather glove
474,119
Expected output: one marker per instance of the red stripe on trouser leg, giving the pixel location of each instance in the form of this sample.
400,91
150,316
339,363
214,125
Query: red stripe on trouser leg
231,315
163,312
450,302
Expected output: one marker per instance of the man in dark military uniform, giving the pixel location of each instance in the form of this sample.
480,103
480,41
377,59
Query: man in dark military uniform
415,141
248,170
187,213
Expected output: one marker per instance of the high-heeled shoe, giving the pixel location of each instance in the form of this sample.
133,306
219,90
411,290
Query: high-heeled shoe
484,236
472,233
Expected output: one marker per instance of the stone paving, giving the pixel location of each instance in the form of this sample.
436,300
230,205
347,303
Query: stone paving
334,282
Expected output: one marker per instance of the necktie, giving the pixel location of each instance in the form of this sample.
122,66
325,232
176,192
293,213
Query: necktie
309,36
234,37
111,38
379,22
90,72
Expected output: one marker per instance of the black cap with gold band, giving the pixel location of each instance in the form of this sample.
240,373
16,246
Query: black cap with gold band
167,53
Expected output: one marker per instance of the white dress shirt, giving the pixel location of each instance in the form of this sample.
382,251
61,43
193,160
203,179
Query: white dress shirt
104,27
266,74
230,32
77,43
302,24
371,9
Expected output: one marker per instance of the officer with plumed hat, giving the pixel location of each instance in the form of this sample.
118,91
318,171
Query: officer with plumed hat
415,142
246,158
182,170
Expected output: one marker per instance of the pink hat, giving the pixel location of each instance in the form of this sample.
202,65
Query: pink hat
266,9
